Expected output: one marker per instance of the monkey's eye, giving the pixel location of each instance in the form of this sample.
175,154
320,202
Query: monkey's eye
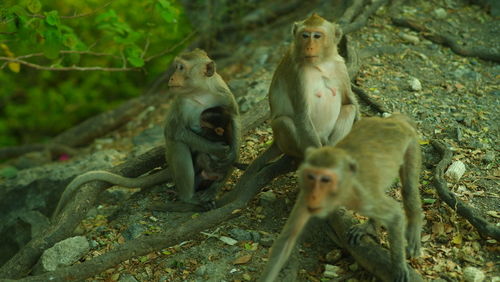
317,35
305,35
310,176
325,179
180,67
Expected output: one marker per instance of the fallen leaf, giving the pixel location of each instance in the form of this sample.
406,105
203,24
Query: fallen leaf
243,259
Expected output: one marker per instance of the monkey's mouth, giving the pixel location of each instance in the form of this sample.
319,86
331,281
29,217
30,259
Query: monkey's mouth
310,57
314,210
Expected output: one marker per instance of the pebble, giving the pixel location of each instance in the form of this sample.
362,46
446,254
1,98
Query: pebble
410,38
333,256
472,274
456,170
440,13
331,271
415,84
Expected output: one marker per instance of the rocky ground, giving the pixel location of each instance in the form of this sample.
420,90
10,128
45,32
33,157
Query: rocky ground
452,98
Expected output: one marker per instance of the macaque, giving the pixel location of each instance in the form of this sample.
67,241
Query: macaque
310,96
201,100
354,174
197,89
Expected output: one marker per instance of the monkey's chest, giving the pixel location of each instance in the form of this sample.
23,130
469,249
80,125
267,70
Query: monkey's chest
325,103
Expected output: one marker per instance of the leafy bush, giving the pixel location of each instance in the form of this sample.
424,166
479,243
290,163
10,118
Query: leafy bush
110,51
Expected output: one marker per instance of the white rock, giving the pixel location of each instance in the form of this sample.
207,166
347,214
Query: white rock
410,38
456,170
415,84
440,13
472,274
331,271
64,253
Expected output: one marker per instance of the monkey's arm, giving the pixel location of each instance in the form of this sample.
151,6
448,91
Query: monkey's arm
101,175
308,137
285,243
198,143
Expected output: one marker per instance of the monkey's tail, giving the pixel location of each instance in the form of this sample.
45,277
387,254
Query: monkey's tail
115,179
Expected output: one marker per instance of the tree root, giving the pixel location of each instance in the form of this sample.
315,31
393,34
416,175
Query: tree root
449,41
370,255
88,130
484,228
362,19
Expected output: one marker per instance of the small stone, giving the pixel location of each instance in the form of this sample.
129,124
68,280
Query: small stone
472,274
331,271
440,13
489,157
415,84
456,170
333,256
268,197
201,271
240,234
410,38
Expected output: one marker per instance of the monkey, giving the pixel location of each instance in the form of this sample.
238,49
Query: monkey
310,95
196,89
354,174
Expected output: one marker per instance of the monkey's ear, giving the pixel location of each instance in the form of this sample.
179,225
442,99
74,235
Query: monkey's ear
295,26
210,69
337,33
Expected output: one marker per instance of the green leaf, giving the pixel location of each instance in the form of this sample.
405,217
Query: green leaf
52,44
34,6
52,18
428,201
133,54
70,40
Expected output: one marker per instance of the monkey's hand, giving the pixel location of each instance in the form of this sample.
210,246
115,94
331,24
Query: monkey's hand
356,233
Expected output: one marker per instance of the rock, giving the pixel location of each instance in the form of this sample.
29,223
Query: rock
267,197
63,253
151,136
333,256
133,231
410,38
125,277
201,271
472,274
455,170
331,271
240,234
415,84
489,157
440,13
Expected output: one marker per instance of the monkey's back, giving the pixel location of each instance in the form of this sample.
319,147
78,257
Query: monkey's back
379,145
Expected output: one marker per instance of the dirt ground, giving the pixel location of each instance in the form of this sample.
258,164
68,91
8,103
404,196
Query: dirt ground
457,103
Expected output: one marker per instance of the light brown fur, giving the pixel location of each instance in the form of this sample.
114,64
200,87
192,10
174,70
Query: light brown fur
355,174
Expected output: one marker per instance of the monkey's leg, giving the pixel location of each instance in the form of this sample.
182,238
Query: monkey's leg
343,124
409,173
285,136
389,214
180,160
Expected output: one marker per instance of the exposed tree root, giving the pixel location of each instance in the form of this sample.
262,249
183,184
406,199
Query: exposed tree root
87,131
484,228
449,40
362,19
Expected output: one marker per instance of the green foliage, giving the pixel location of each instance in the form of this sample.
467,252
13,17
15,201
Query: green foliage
112,35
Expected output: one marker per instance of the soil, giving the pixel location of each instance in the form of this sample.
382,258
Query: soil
457,103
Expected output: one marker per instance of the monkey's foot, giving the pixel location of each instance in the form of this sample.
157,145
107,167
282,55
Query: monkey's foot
402,274
356,233
413,239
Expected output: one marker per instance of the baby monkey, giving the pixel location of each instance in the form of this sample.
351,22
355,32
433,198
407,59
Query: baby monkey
355,174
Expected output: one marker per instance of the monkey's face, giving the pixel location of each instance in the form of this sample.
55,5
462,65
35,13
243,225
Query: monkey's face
191,73
311,43
319,187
